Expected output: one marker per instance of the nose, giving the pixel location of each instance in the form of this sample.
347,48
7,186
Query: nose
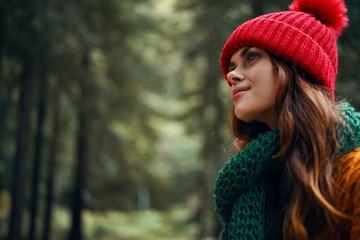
235,76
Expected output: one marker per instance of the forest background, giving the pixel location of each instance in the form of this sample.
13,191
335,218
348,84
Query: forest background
114,114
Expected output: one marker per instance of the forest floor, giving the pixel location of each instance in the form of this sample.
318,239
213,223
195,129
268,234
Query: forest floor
114,225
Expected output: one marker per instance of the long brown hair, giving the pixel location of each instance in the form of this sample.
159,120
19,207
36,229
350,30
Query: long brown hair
308,122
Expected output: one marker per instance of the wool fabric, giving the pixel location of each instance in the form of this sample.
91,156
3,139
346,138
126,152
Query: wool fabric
252,190
305,36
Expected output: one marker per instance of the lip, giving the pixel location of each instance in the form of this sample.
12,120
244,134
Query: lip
238,91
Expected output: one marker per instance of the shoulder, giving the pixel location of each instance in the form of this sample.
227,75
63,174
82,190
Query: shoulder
348,189
348,173
348,167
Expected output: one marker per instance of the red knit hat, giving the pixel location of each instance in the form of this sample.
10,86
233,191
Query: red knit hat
306,36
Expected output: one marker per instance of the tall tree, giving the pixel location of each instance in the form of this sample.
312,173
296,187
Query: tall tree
37,160
20,159
82,152
18,29
51,163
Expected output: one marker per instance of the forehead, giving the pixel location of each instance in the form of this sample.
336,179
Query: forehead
242,51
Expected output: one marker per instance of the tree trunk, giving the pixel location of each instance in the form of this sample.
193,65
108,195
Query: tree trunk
82,156
78,204
39,139
19,173
52,166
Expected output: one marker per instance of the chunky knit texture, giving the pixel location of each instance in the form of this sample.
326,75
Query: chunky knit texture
252,191
306,37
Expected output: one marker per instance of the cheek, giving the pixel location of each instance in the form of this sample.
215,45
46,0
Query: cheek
268,87
277,80
266,93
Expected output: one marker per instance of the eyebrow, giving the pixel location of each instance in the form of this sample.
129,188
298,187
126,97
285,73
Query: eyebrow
242,54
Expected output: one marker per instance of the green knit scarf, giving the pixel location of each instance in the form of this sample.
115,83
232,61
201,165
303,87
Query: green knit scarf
252,190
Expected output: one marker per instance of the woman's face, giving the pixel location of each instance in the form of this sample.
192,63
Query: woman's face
254,86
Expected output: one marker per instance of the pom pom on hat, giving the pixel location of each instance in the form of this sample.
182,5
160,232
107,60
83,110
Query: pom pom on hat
330,12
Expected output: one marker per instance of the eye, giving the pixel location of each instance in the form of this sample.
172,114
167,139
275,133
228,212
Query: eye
231,67
252,56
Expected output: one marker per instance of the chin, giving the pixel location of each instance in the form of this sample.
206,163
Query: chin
244,119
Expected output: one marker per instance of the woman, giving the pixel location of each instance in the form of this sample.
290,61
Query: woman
297,173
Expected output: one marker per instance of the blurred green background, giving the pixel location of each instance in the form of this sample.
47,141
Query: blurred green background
114,114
